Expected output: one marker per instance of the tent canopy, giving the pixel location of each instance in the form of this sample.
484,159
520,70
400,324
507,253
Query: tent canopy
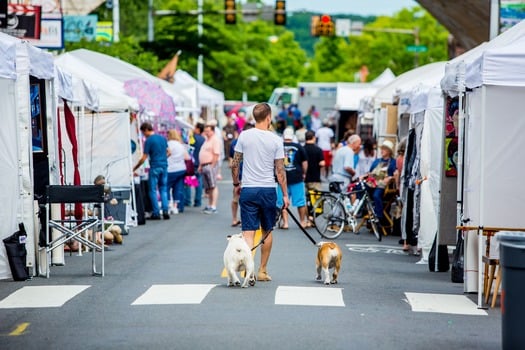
425,74
503,66
40,62
206,95
466,68
123,71
81,83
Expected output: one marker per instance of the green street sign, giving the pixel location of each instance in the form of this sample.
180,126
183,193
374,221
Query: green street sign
417,48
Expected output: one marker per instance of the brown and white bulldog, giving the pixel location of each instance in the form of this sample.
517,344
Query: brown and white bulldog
329,256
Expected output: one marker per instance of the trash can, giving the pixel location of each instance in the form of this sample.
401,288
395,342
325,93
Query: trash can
512,262
15,246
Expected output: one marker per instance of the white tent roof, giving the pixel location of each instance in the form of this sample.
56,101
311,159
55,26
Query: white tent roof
501,66
206,95
384,78
123,71
471,60
426,75
81,83
349,95
40,62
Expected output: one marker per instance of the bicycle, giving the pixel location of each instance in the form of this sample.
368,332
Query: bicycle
331,214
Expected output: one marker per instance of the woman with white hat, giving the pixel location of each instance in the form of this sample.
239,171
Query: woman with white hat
381,174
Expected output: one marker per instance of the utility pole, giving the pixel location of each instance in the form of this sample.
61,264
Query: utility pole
116,21
150,21
200,63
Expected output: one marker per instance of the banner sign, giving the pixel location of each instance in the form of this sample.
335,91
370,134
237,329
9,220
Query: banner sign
23,21
105,31
77,28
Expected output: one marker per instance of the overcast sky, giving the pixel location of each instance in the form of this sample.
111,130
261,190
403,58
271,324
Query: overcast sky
358,7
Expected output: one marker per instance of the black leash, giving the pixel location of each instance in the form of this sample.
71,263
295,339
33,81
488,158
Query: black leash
300,226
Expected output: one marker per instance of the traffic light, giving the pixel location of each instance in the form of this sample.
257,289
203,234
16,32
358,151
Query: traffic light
280,13
322,26
326,26
230,15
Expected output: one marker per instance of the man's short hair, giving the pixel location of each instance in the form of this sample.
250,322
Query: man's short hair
146,126
261,111
353,138
309,135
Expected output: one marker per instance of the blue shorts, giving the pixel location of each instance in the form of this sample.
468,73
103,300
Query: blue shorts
258,208
297,194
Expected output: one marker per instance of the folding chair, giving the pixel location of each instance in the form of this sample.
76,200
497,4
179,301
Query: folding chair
74,229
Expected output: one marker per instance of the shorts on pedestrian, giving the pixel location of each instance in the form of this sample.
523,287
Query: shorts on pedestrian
209,177
258,208
296,193
327,155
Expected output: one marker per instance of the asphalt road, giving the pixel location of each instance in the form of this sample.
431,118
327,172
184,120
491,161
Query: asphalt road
163,289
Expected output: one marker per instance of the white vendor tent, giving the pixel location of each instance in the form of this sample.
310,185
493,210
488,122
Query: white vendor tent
424,75
18,61
204,96
101,110
123,71
490,83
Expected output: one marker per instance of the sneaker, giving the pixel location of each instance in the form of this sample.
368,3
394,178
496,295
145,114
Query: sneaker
174,211
206,208
210,211
166,216
263,276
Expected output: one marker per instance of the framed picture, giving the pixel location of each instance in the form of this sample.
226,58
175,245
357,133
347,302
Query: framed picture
37,117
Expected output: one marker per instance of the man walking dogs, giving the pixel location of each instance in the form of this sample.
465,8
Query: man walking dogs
262,154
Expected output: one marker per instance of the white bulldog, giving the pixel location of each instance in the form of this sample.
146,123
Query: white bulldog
238,257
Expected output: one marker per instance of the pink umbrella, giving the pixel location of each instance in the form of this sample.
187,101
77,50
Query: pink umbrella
151,98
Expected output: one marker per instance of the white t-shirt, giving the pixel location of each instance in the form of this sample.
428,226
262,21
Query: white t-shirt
324,137
176,158
259,148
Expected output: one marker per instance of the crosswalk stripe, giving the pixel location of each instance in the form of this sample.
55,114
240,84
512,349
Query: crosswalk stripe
443,303
309,296
161,294
41,296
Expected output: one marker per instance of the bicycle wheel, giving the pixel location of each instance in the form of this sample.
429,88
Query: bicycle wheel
329,217
373,220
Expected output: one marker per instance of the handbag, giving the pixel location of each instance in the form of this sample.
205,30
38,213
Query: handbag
458,262
190,168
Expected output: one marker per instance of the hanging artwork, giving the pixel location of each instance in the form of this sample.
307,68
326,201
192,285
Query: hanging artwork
451,137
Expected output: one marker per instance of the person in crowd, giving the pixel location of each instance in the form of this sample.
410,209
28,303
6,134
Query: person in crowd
316,120
209,156
295,165
262,156
315,162
367,155
325,140
229,133
156,148
196,142
300,133
235,195
176,170
381,173
346,160
240,121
